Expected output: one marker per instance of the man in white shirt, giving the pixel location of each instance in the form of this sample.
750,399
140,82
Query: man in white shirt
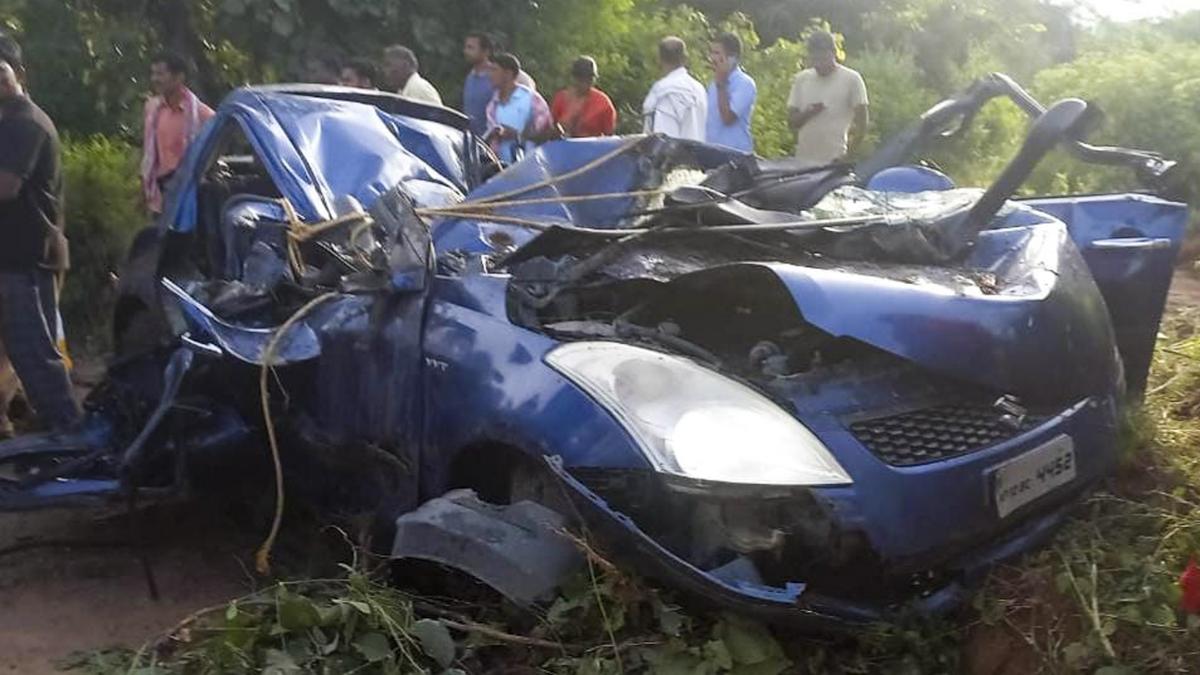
677,104
401,71
827,106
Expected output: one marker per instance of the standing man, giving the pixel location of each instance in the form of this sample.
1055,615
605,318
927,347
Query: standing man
676,105
581,110
172,119
731,96
401,73
517,117
827,106
35,248
478,89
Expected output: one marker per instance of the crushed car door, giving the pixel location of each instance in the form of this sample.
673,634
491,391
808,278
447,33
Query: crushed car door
251,265
1130,243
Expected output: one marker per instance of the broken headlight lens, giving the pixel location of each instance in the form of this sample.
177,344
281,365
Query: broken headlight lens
694,422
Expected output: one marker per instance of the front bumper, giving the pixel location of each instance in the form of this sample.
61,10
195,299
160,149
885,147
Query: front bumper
960,560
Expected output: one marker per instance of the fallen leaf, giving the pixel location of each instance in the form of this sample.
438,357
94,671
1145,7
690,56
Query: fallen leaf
435,640
374,647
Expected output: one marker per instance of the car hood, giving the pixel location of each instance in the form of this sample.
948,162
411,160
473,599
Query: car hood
1042,330
1021,314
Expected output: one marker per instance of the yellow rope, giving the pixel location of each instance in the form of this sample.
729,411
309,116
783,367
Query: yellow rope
562,199
303,232
262,559
490,217
293,246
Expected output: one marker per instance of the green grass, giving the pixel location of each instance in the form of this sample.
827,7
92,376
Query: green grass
1103,598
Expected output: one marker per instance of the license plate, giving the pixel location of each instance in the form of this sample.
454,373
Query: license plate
1023,479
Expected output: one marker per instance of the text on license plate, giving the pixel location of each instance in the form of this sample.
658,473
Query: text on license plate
1023,479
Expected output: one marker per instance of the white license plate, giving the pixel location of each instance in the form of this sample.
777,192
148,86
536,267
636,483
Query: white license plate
1023,479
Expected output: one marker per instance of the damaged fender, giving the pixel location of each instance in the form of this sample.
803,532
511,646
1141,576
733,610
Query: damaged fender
520,550
1046,334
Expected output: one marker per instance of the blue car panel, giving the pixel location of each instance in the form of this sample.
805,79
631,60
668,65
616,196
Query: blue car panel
488,386
1011,341
1130,243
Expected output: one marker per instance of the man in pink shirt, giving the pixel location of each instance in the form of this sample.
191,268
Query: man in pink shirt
173,117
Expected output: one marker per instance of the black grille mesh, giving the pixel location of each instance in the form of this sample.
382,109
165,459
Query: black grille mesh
938,433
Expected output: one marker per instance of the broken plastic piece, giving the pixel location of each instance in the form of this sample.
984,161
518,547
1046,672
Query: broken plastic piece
519,550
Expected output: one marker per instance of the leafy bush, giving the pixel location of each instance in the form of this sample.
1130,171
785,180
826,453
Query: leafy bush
773,70
601,625
104,212
896,89
623,38
1149,95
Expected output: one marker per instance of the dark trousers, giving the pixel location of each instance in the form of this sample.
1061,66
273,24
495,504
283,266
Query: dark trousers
28,320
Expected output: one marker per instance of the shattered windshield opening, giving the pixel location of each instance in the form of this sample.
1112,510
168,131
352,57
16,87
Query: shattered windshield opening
272,262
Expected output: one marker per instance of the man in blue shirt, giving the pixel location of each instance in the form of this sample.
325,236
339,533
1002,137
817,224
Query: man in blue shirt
518,117
731,96
478,88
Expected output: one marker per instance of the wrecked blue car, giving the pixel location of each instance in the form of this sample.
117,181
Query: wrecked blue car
821,396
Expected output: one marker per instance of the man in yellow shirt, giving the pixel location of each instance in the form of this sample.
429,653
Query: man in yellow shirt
828,105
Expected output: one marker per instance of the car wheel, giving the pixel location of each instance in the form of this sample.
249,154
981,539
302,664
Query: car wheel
530,481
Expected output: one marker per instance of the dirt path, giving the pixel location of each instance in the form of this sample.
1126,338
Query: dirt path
60,600
1185,290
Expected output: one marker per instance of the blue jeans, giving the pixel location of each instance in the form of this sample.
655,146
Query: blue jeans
28,319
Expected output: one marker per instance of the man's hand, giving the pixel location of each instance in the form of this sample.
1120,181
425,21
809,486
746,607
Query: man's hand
501,133
858,128
798,118
57,251
722,67
724,105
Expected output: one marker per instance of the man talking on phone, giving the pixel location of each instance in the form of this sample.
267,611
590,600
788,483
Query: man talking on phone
731,96
828,105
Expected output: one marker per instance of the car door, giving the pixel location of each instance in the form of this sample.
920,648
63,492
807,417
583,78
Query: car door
1130,242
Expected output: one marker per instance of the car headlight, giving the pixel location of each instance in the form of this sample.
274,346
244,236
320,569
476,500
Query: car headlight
694,422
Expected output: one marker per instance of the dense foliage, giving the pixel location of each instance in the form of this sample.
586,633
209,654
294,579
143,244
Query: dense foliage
89,58
104,212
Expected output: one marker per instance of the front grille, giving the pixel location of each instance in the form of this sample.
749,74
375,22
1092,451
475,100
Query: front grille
938,433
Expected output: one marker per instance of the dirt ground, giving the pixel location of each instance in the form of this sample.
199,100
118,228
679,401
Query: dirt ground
87,589
62,599
58,600
1185,290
